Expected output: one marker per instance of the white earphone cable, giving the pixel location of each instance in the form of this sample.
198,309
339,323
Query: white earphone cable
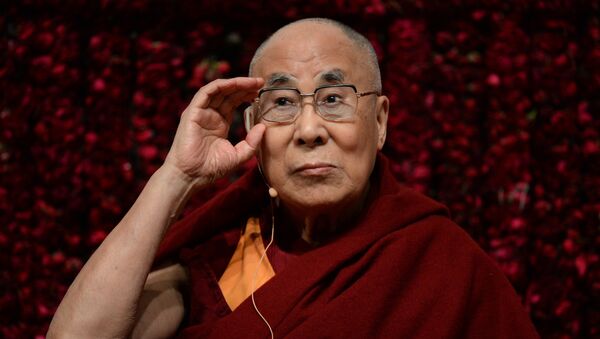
258,266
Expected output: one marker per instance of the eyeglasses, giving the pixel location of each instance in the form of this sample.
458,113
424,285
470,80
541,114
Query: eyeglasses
332,102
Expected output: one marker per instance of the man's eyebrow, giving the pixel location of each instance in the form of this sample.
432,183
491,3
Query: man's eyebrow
335,75
277,79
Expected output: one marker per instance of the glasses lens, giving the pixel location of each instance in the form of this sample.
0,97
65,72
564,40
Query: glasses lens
279,105
336,103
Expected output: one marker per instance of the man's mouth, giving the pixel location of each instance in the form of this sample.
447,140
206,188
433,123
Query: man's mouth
314,169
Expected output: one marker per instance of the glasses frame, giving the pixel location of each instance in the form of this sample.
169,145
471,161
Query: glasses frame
304,95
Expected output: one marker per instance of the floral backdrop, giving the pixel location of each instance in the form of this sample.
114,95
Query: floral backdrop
495,111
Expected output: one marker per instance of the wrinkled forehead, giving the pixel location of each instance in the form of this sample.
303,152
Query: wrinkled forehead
308,51
327,76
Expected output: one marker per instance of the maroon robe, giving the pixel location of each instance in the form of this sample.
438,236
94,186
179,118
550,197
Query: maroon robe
405,270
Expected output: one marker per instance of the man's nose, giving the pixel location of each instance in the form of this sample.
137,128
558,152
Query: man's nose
309,128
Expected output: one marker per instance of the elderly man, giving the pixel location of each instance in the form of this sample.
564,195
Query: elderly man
318,241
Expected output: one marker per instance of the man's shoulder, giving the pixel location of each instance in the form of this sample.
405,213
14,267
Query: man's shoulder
436,237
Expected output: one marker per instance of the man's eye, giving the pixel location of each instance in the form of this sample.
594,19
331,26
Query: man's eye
283,101
331,99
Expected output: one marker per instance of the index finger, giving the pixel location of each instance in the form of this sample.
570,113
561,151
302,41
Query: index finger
213,93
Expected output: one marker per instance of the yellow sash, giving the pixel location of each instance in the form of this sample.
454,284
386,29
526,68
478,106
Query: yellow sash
236,282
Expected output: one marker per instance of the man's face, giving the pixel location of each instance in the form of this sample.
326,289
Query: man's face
314,163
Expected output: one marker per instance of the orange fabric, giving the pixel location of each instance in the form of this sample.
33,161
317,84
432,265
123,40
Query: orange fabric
237,281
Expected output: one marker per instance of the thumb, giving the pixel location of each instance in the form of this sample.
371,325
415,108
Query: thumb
246,148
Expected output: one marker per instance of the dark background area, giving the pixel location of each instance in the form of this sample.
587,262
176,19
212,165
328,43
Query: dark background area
495,111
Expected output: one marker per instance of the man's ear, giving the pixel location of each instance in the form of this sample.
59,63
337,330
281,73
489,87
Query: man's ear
382,109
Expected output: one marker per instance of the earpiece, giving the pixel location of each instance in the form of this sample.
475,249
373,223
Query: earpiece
248,123
249,118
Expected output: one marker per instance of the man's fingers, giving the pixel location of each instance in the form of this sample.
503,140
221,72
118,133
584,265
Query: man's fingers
232,101
225,103
255,135
213,93
246,148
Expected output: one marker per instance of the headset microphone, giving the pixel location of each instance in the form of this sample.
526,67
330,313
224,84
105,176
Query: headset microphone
272,192
249,123
274,201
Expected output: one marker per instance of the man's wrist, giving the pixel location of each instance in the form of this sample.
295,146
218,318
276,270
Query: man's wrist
178,179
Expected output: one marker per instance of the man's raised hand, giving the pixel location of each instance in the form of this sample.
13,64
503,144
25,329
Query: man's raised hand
201,151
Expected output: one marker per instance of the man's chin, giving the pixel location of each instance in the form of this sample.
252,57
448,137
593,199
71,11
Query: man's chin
318,200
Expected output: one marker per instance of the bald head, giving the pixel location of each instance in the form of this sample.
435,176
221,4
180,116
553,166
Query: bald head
358,41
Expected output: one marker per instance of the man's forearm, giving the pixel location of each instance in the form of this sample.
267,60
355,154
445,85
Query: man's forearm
102,300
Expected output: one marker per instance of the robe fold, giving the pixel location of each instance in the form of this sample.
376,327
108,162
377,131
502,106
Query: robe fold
404,270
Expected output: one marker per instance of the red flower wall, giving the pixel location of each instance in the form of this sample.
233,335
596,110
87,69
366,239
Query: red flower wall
495,111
